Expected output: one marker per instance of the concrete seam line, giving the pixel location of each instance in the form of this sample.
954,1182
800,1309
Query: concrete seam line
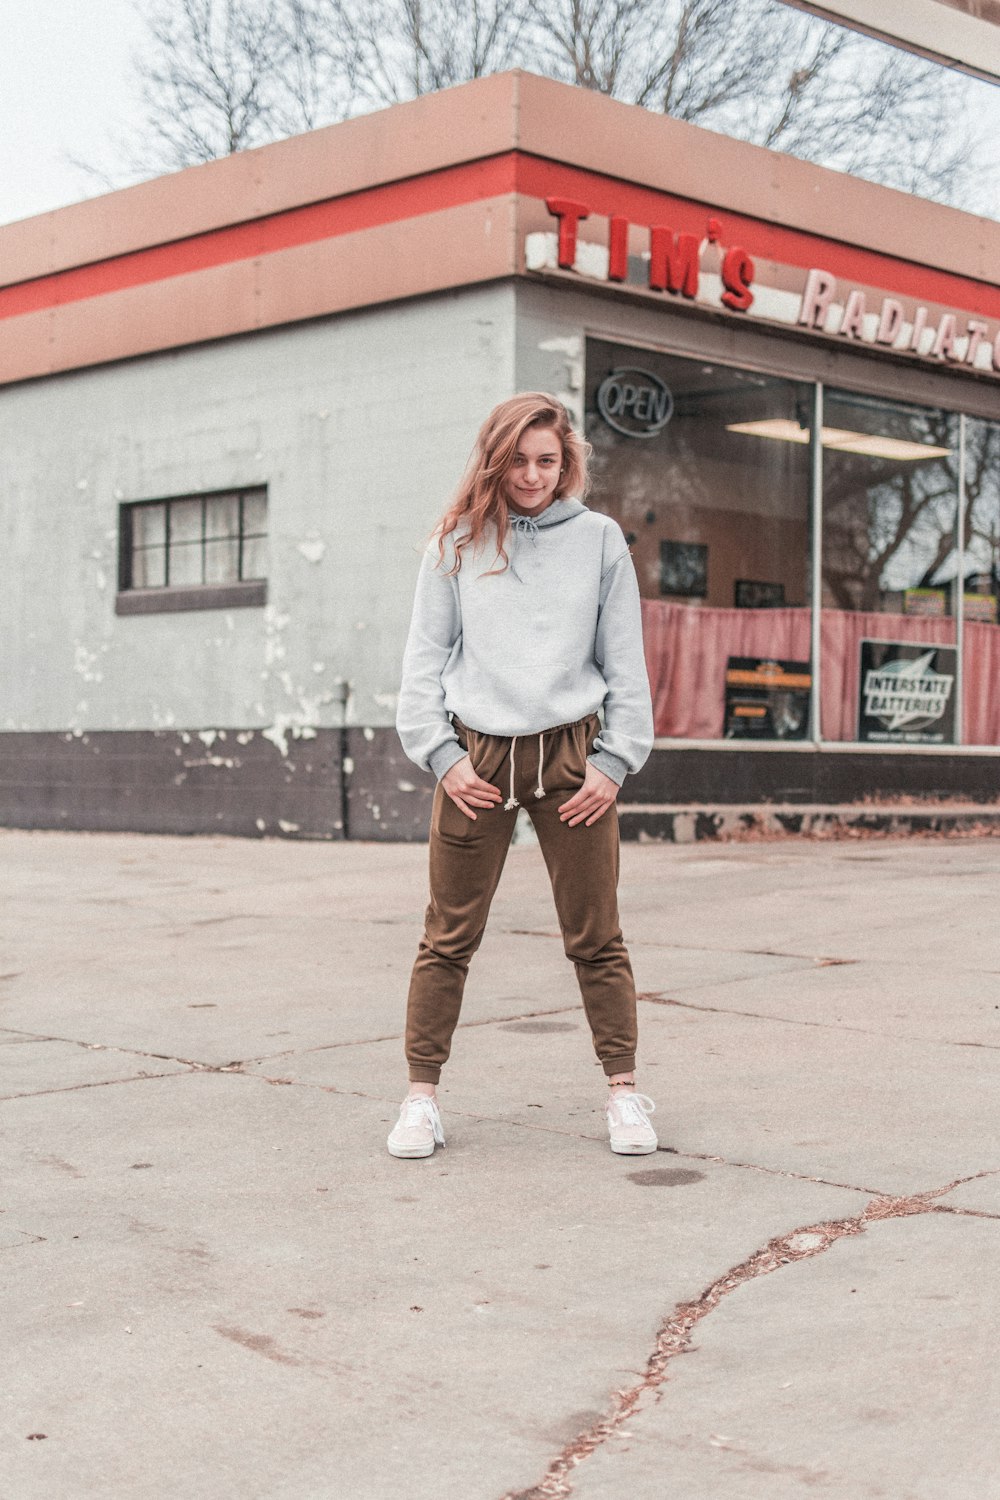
101,1083
808,959
660,997
675,1334
722,1161
238,1063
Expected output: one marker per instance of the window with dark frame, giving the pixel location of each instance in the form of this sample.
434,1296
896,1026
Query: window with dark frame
194,551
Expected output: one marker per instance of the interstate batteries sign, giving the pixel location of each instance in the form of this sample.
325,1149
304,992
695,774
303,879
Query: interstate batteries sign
906,693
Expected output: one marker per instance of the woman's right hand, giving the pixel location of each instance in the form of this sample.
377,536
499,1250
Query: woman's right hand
466,789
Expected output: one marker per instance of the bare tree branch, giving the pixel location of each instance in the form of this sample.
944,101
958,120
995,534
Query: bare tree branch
221,75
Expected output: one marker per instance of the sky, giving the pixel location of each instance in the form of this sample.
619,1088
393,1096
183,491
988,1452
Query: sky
65,89
68,90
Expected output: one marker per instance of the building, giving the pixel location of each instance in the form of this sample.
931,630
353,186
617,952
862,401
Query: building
234,400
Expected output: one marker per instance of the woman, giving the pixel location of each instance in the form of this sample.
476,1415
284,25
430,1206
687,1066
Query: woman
503,672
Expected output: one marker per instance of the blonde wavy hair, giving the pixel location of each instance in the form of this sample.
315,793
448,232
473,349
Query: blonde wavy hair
480,495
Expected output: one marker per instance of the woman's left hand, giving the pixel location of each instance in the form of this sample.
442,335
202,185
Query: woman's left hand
592,800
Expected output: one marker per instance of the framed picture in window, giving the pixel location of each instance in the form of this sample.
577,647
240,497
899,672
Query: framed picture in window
750,593
684,569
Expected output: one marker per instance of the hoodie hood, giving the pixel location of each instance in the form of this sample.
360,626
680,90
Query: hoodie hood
552,515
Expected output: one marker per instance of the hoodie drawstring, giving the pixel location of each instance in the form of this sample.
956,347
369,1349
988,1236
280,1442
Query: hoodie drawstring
512,801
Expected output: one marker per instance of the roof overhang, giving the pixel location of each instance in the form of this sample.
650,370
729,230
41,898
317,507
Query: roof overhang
458,189
962,34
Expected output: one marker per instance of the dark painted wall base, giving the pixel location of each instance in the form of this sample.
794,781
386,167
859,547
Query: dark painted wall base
824,776
357,783
168,781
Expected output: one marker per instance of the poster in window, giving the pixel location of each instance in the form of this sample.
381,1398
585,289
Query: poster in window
980,608
751,593
766,699
930,603
906,693
684,569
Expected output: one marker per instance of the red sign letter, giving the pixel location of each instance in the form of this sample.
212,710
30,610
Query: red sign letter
569,213
617,248
673,261
737,276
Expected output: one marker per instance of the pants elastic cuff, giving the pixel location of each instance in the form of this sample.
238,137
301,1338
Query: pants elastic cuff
623,1064
424,1073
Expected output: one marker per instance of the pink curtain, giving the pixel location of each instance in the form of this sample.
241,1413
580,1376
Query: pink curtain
981,663
687,648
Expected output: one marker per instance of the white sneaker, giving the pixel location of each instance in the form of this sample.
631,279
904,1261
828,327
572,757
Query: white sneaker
418,1128
630,1131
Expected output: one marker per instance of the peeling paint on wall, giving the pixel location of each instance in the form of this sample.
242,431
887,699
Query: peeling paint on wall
285,725
274,623
85,662
312,550
571,346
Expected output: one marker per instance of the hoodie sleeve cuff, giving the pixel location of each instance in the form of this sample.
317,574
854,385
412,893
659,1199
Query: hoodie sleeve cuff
611,765
445,756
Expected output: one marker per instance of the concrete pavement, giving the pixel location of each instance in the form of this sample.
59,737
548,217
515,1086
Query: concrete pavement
216,1282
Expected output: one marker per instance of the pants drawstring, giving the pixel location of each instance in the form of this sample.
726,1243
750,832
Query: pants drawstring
539,789
512,801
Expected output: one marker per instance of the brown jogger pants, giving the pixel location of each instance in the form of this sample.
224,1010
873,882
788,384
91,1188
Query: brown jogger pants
466,861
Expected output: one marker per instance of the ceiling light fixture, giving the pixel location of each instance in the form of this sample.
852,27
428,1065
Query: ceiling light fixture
870,445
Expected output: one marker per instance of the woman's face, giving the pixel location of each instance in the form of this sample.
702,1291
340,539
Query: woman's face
530,482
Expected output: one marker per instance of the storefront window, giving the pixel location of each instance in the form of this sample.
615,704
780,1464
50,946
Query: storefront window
706,469
890,572
981,655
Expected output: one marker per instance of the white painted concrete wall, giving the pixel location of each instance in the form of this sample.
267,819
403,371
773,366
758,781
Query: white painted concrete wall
360,427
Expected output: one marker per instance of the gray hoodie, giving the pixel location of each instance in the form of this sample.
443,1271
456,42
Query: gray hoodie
554,637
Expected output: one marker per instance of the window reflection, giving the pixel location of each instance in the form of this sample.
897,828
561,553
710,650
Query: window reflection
715,507
890,501
981,584
890,566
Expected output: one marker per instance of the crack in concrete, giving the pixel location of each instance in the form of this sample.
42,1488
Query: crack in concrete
675,1335
548,1129
397,1036
237,1068
73,1041
238,1063
660,997
807,958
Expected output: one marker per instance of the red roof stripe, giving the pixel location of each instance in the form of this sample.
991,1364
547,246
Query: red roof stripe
509,172
764,241
347,214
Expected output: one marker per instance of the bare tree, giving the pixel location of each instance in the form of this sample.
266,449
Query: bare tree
317,82
398,49
756,70
209,85
889,525
221,75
